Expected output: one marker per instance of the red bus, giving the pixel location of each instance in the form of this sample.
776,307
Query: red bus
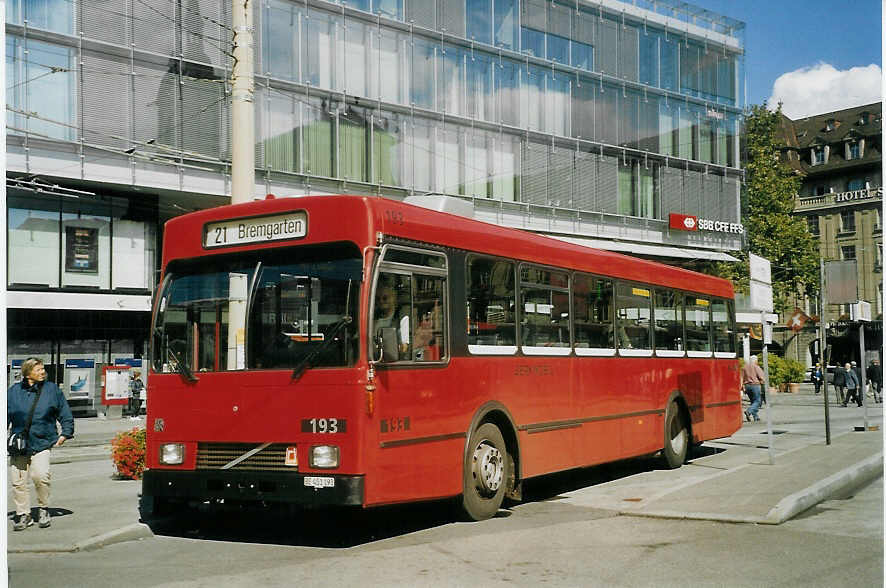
344,350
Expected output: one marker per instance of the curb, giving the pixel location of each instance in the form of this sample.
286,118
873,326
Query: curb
131,532
845,480
848,479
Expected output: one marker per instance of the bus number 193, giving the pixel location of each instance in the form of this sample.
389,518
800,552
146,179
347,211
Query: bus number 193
327,425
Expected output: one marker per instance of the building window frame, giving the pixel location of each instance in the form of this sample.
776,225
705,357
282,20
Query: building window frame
847,221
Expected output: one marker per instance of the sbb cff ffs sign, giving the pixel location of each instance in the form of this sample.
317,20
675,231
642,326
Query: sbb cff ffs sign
686,222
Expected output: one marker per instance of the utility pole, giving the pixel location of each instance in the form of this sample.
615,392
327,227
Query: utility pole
823,358
242,105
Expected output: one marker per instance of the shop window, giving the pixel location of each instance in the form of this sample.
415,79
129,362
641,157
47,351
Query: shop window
33,235
54,244
86,245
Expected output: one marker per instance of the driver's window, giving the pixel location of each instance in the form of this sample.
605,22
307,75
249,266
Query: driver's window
409,307
393,310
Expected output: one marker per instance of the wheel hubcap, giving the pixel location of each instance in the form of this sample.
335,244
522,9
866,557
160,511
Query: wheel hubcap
488,468
678,437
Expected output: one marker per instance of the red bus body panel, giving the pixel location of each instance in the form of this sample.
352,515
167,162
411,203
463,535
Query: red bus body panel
568,411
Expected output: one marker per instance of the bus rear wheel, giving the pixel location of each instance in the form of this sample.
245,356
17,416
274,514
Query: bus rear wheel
676,437
485,473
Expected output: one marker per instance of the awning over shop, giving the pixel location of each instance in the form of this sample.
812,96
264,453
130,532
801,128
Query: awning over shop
646,249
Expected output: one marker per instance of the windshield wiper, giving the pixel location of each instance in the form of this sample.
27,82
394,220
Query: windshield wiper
181,366
329,337
177,362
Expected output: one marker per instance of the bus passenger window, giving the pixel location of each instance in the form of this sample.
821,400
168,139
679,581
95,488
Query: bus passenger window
668,323
698,325
592,305
490,306
633,331
544,311
724,327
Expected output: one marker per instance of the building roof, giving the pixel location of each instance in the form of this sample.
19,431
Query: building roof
832,128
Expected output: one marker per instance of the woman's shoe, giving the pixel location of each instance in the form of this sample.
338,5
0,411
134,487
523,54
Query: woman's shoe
747,416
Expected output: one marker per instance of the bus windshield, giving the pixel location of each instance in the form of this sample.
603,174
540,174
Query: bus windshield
268,309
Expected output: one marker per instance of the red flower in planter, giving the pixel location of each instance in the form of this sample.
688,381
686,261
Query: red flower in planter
128,453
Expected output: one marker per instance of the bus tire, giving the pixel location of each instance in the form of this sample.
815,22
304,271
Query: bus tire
676,437
485,473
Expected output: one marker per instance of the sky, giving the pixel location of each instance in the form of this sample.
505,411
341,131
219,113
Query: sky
814,56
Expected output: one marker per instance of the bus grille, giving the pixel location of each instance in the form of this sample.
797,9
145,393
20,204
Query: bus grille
212,456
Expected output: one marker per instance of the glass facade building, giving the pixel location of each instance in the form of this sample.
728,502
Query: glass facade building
589,120
622,108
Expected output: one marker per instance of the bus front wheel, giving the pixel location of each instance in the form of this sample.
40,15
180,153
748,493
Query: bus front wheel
485,473
676,437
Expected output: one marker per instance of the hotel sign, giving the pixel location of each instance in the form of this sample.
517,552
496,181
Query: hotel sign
859,194
686,222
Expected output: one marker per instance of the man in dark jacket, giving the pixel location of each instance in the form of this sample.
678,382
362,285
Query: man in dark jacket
839,382
49,407
875,377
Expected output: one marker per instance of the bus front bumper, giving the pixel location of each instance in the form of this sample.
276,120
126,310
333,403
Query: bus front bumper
281,487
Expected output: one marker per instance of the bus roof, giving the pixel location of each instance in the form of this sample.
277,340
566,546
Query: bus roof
360,218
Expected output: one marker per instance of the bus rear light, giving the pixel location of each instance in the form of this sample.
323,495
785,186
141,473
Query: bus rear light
172,453
324,456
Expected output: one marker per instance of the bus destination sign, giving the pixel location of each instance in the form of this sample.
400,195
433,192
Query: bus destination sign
257,229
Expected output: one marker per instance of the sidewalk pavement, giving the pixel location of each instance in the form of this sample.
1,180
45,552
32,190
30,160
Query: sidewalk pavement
733,481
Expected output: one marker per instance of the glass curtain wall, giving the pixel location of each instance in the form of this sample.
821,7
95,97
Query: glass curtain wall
350,95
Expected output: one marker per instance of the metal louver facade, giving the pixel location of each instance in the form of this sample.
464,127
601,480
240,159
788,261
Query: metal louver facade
393,97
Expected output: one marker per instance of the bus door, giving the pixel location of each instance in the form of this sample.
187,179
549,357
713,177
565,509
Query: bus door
414,420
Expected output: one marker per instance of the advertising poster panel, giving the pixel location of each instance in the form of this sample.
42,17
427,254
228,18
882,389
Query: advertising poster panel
79,376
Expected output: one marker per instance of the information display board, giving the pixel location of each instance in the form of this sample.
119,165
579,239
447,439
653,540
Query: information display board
115,384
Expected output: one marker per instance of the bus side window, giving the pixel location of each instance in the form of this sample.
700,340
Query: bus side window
698,324
633,317
724,326
592,303
490,305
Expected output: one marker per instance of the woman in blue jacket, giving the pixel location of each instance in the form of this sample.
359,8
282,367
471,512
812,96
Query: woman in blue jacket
50,407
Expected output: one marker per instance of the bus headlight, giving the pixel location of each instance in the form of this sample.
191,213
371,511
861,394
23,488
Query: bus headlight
172,453
324,456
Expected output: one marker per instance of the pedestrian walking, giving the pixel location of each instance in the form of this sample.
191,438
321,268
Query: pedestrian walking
840,384
752,378
33,407
817,377
853,386
875,378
